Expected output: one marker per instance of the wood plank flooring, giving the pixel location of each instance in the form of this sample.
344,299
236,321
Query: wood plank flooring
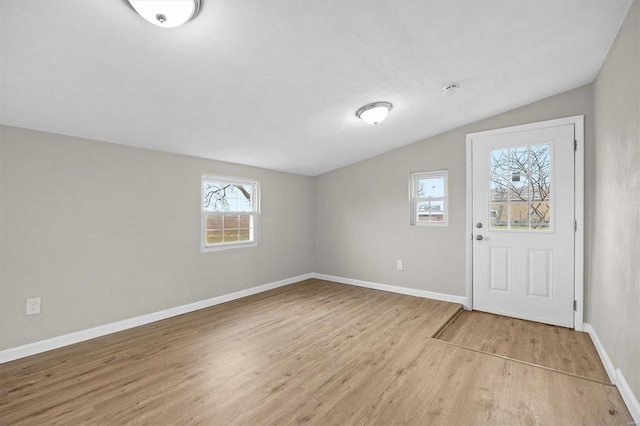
554,347
315,352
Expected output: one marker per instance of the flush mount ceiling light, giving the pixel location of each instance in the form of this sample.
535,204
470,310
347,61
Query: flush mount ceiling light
374,113
166,13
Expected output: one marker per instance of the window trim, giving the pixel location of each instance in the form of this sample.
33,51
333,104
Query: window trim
413,199
255,204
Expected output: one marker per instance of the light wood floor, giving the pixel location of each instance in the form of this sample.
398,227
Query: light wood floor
558,348
315,352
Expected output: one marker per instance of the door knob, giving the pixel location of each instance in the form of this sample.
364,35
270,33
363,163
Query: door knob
478,237
478,225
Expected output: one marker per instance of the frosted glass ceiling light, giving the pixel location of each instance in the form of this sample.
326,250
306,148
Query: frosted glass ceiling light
167,13
374,113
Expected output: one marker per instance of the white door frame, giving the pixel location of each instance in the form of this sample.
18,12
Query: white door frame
578,123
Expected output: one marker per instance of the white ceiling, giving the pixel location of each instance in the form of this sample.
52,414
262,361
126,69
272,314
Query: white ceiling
276,84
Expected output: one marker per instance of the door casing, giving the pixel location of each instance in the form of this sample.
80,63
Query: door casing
578,123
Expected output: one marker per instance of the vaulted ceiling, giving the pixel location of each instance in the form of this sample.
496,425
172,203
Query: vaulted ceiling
276,84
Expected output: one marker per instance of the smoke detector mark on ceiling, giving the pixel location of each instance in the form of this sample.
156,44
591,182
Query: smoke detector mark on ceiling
450,89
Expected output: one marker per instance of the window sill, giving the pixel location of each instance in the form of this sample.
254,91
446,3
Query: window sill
427,225
231,246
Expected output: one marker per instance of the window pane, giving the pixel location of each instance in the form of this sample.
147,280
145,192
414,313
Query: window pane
499,188
231,222
214,222
244,205
231,235
216,196
245,222
222,196
518,161
519,188
540,214
540,160
430,211
499,216
500,162
431,187
519,216
214,237
540,187
422,211
244,234
243,198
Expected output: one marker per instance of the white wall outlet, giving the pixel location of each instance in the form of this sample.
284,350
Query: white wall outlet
33,306
399,265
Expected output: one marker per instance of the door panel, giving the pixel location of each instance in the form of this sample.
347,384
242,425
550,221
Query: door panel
540,273
500,269
523,199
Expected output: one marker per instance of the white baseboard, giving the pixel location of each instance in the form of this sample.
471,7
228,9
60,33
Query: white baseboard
627,395
91,333
606,361
394,289
615,375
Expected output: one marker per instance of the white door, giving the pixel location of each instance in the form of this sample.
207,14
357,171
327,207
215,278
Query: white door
523,224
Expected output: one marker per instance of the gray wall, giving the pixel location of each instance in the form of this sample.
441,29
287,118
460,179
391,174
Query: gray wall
104,232
614,263
362,211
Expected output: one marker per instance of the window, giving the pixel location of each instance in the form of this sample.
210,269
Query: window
521,188
429,201
229,213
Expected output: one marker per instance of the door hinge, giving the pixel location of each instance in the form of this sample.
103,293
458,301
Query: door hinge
575,145
575,305
575,226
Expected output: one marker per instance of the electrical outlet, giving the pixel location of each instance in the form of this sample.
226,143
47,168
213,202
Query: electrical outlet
399,265
33,306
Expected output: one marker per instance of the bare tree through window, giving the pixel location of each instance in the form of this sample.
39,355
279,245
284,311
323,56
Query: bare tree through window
521,187
229,212
216,195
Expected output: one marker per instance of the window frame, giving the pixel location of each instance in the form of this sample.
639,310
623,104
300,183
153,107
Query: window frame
414,200
254,213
